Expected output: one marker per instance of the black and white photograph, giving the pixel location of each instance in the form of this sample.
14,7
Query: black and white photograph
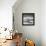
28,18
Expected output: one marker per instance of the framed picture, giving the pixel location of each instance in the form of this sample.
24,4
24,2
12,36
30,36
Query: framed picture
28,18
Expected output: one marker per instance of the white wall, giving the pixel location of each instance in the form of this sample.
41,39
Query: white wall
30,32
43,22
6,13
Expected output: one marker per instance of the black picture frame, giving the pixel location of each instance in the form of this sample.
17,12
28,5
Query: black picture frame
28,19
